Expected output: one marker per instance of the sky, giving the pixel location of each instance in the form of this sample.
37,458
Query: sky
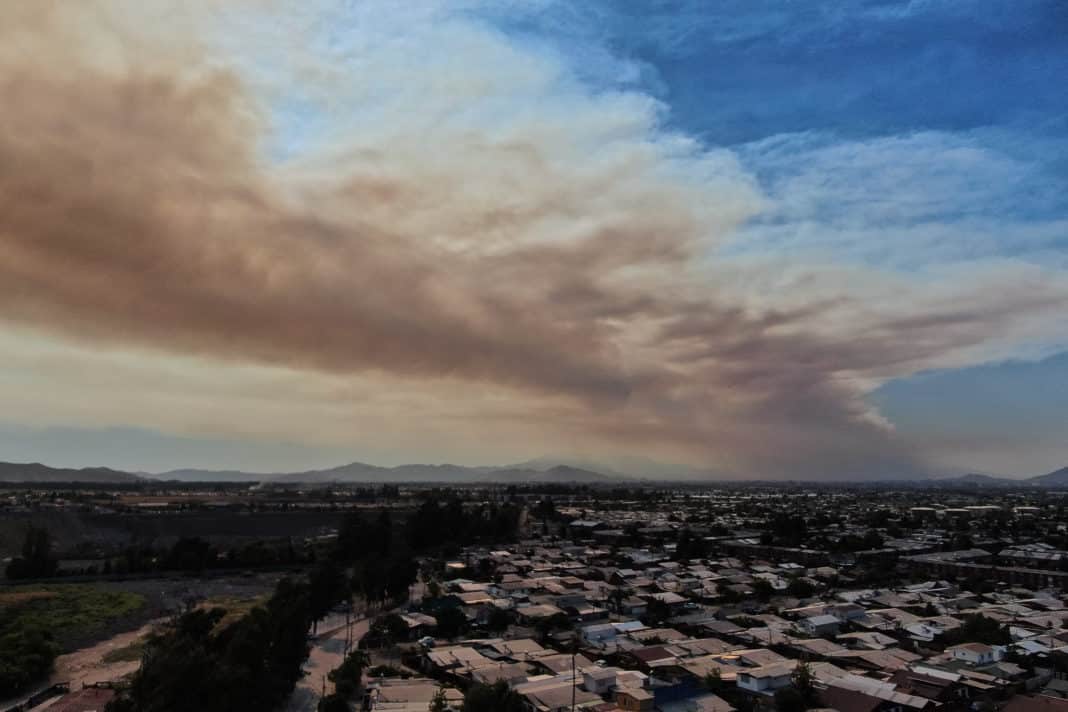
761,239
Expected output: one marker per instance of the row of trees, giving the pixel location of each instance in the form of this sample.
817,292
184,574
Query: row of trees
374,558
202,664
190,554
439,525
36,560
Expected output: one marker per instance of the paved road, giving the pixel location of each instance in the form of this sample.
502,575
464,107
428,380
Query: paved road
327,652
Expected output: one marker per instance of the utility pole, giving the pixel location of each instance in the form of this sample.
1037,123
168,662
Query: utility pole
574,650
348,629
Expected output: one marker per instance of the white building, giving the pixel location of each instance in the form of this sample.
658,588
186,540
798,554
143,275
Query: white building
973,653
766,679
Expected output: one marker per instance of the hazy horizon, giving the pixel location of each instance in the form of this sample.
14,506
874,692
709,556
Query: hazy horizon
163,454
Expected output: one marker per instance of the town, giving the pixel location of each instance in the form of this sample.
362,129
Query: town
651,598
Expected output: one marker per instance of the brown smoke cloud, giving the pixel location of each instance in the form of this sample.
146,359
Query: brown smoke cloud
136,208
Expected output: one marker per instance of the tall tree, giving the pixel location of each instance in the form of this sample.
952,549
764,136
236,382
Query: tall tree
439,703
497,697
37,560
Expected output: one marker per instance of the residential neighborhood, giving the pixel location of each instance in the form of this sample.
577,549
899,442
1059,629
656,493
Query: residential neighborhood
660,605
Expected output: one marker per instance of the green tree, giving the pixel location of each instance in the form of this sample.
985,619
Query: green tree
714,681
326,588
27,652
803,682
386,630
788,699
800,588
334,703
656,612
978,629
439,703
763,589
190,554
348,676
451,623
497,697
203,664
498,619
37,560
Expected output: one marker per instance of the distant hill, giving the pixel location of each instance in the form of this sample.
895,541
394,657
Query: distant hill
975,479
195,475
633,467
543,470
1057,478
373,474
376,474
37,473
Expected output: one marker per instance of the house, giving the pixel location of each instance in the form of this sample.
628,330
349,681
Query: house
940,686
651,656
868,640
456,660
702,703
518,649
633,606
511,673
891,699
634,700
822,625
419,624
555,694
600,634
411,694
766,679
599,680
562,663
673,601
532,614
849,700
581,528
973,653
1035,703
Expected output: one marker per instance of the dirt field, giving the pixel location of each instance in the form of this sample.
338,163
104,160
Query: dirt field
89,665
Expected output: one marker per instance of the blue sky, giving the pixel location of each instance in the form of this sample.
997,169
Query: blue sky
850,212
920,134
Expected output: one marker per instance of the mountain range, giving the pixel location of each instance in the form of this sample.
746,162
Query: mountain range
363,472
350,473
36,472
542,470
1057,478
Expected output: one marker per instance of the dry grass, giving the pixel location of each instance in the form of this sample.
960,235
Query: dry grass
18,598
236,607
127,653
